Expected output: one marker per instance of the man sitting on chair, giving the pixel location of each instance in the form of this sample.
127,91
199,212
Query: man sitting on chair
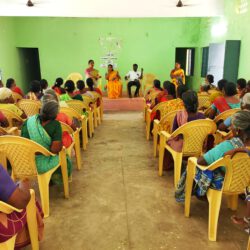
134,76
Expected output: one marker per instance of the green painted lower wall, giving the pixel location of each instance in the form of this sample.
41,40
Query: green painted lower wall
66,44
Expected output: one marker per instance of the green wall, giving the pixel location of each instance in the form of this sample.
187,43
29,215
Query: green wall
237,29
66,44
9,62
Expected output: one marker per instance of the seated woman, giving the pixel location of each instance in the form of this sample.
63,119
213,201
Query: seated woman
7,102
69,86
209,80
11,84
155,89
217,91
57,86
61,117
45,130
190,113
168,94
228,101
81,87
245,105
114,85
241,87
91,89
35,91
214,179
44,85
14,223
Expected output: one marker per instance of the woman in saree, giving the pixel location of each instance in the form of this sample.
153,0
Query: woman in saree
92,73
214,179
114,85
228,101
70,94
190,113
14,223
45,130
35,93
176,73
57,86
217,92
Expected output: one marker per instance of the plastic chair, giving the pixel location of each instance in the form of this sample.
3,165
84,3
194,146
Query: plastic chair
31,222
140,90
89,100
79,106
237,178
221,136
83,121
21,154
204,101
10,131
75,144
11,117
165,124
147,81
194,134
151,98
100,108
163,109
74,77
30,107
16,97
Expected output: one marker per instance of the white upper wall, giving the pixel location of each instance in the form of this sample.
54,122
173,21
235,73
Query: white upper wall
112,8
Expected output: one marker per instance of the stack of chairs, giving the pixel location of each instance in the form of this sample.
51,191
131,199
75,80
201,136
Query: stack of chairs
194,135
20,153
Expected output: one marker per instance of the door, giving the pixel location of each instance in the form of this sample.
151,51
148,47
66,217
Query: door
30,66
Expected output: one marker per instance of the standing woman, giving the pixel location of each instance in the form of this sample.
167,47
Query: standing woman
176,73
92,73
114,85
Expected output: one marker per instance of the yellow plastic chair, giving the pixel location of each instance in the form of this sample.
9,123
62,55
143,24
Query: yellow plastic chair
83,121
30,107
16,97
194,134
100,109
12,117
21,154
165,124
147,81
248,245
89,100
74,77
75,144
204,101
10,131
79,106
140,90
31,222
221,136
237,178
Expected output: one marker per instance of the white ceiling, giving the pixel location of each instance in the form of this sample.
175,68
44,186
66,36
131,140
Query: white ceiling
111,8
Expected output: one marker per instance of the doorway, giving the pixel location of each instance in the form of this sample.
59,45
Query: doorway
30,66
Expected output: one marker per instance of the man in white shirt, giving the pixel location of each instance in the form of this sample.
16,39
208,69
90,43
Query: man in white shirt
133,77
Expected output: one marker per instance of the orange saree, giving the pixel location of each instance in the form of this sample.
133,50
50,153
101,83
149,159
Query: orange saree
114,85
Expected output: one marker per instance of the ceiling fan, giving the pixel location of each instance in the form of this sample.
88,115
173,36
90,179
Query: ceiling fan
180,4
29,3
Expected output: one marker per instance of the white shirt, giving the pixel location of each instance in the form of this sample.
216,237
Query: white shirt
133,75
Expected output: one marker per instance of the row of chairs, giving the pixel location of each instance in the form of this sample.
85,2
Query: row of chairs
21,152
194,134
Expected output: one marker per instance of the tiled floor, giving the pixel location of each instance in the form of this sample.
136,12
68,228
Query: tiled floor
118,202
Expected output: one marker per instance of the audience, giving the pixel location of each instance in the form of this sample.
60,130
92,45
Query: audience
11,84
218,91
228,101
167,94
45,130
7,102
44,85
209,80
81,87
69,86
14,223
214,179
57,86
35,91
